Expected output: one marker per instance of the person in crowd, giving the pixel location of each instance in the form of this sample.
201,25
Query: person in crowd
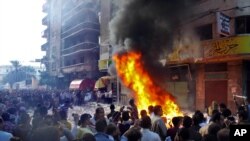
223,135
212,132
39,116
216,118
133,110
151,111
126,123
214,106
84,124
23,130
222,107
158,125
88,137
64,119
8,125
113,132
143,113
226,112
65,134
176,121
99,114
182,135
193,135
49,133
133,134
148,135
198,120
116,118
112,111
243,117
65,106
101,126
4,136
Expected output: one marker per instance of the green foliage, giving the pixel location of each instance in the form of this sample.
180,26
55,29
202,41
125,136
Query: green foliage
20,73
46,79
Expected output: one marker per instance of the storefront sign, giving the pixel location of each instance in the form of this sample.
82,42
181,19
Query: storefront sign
227,46
104,64
223,24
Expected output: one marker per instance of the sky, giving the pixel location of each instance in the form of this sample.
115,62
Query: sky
21,31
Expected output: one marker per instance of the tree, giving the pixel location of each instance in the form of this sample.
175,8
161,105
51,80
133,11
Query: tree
20,73
47,79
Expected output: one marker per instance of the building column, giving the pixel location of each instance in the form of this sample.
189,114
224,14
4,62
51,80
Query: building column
200,88
234,83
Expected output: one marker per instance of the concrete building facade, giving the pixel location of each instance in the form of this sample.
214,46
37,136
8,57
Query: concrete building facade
220,71
72,49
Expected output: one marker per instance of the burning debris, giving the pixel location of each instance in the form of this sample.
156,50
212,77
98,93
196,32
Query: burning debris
135,77
144,30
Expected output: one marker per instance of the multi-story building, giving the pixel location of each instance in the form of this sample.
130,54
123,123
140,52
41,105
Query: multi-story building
220,71
4,70
73,31
108,9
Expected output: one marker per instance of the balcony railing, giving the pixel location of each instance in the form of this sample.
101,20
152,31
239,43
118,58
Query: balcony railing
87,25
66,13
45,20
45,46
45,7
85,46
45,33
77,67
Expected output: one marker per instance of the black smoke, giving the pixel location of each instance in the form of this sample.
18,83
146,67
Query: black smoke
148,26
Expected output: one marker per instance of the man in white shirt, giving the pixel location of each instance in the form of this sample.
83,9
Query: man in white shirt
148,135
158,125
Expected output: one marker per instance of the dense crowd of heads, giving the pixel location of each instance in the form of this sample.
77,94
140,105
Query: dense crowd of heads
43,116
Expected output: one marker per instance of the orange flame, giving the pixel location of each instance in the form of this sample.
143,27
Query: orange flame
130,69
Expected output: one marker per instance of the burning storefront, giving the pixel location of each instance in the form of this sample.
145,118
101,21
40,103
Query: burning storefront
199,69
143,33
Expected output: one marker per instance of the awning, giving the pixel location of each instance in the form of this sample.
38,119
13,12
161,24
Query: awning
82,84
103,81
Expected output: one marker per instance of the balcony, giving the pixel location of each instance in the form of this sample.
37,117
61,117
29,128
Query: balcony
77,68
85,46
45,46
45,7
45,33
44,60
87,25
69,10
45,20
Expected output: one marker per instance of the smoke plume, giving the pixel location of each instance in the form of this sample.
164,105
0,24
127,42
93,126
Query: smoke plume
148,26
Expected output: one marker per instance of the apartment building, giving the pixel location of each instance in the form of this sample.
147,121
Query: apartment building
72,49
219,70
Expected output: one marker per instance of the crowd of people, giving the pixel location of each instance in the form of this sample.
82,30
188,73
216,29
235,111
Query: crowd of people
126,123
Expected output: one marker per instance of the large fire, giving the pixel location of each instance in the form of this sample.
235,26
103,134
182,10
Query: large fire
133,75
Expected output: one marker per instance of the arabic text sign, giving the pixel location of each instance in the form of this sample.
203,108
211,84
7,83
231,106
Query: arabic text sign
227,46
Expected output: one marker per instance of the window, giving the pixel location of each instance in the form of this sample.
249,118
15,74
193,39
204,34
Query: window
82,59
205,32
178,73
74,61
53,66
242,25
